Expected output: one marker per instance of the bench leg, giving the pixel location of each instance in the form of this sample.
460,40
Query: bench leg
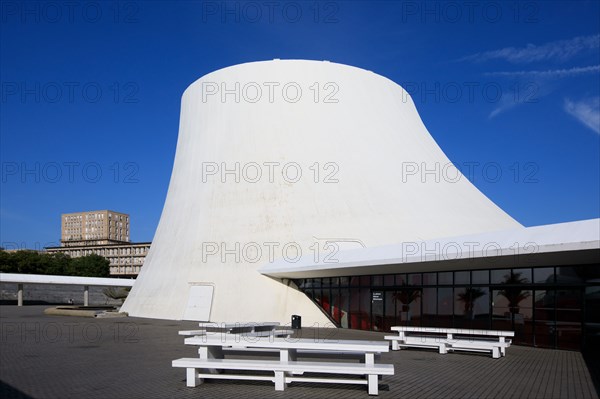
211,352
192,377
373,384
279,380
395,346
495,352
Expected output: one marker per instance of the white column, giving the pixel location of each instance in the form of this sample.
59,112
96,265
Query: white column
86,295
19,294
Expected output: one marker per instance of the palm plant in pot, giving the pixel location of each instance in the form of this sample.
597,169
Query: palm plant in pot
468,298
514,293
407,295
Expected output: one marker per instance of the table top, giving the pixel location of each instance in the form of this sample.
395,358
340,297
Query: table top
290,343
228,326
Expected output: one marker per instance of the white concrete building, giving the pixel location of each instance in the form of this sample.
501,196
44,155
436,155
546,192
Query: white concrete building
313,188
336,140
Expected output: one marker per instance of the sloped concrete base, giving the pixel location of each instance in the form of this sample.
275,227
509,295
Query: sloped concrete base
83,311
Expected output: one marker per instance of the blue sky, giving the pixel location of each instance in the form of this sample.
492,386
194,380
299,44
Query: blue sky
91,92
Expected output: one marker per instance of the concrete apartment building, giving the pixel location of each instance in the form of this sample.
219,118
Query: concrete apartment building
105,233
94,227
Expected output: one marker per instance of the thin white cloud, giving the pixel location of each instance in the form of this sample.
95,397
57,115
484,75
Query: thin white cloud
501,108
551,73
586,111
560,50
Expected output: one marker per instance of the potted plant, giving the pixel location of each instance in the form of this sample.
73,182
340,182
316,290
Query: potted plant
514,293
406,296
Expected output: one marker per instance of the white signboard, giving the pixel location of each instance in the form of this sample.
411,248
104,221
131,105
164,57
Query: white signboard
199,303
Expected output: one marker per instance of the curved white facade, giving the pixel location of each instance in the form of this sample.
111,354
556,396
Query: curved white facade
361,149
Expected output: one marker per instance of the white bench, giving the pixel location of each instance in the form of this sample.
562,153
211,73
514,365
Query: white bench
452,339
211,350
284,372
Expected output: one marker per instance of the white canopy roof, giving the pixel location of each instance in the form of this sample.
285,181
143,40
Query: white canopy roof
555,244
72,280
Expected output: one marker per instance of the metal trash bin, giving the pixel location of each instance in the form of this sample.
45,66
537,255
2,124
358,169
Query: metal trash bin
296,322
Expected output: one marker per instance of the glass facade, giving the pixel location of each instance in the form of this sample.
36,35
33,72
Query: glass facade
550,307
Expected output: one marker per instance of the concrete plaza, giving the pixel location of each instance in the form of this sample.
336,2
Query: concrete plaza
71,357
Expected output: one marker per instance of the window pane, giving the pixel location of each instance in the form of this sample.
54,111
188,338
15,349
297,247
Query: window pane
481,277
410,314
429,278
355,281
568,275
481,308
336,313
377,298
344,307
388,280
377,280
545,328
470,300
524,275
317,297
365,281
408,304
588,273
390,310
445,307
400,279
500,276
429,304
462,278
344,281
543,275
592,319
365,309
414,279
301,284
355,308
460,303
326,301
592,306
500,312
445,278
309,293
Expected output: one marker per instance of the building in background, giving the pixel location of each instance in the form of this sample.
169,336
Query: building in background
94,228
105,233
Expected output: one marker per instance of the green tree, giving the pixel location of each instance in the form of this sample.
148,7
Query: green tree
7,262
28,262
89,266
57,263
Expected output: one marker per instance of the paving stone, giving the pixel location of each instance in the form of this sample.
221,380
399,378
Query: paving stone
72,357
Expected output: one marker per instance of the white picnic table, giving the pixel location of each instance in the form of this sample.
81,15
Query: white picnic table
451,339
287,369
